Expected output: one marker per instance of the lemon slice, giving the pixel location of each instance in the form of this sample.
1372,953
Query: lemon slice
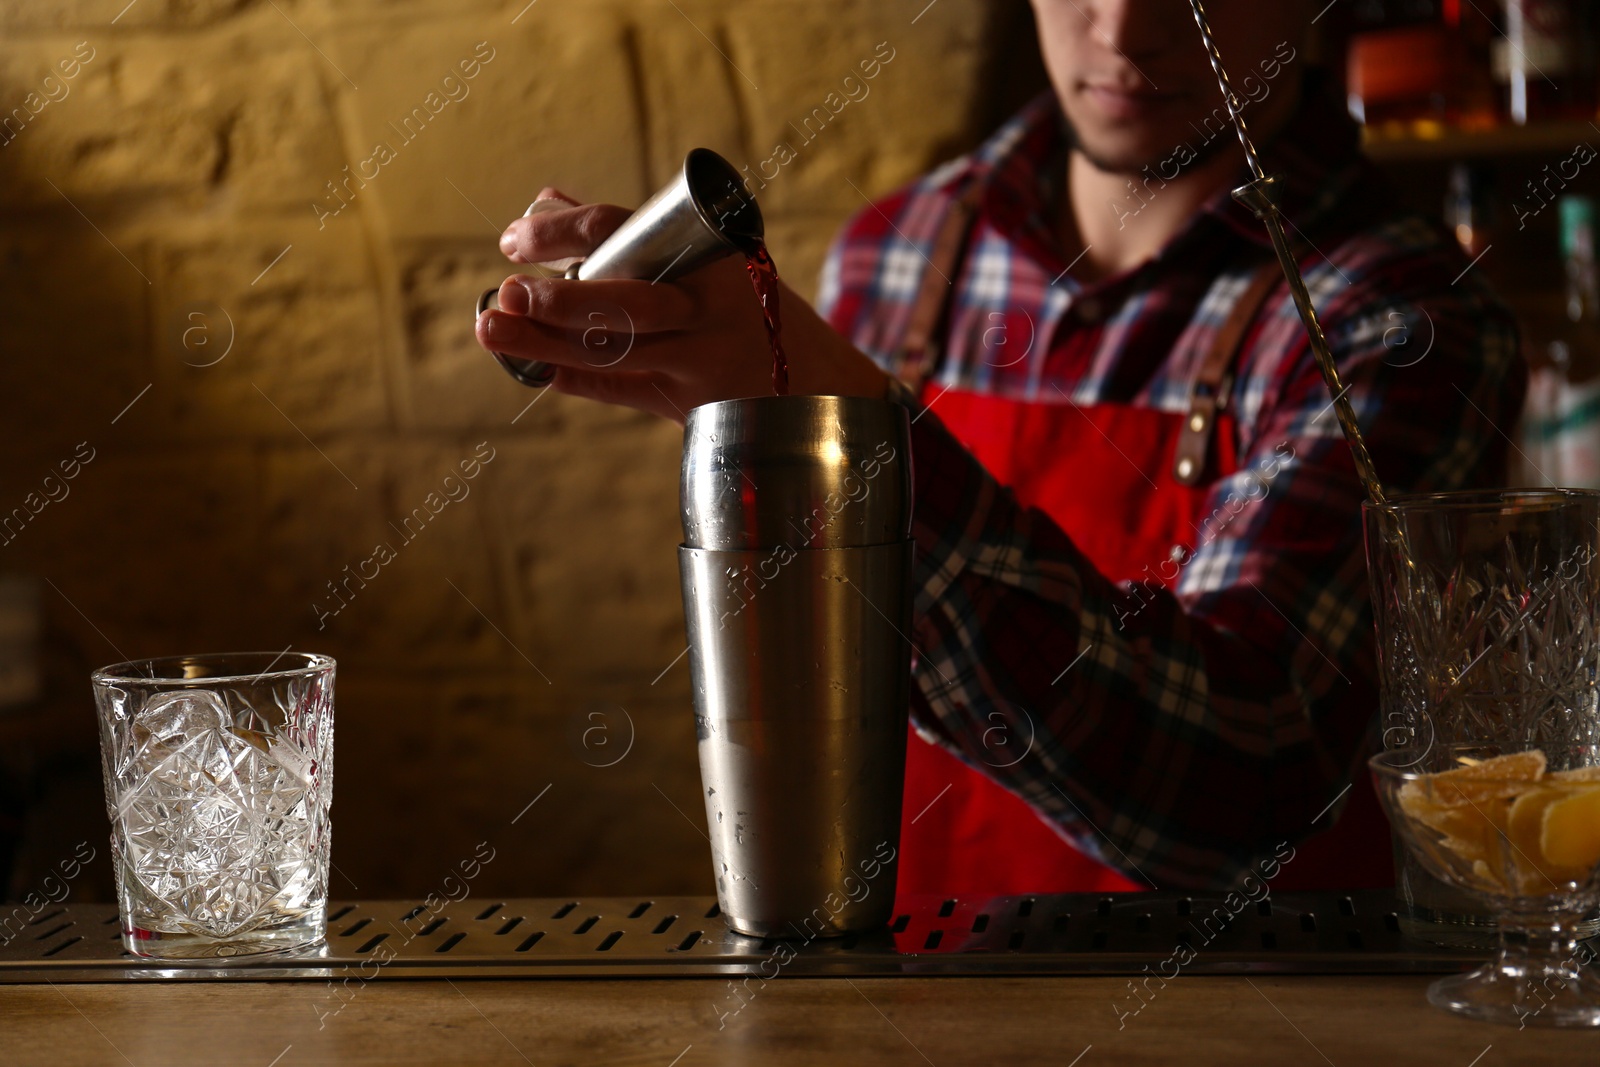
1537,874
1471,809
1579,774
1470,832
1515,828
1462,823
1570,829
1490,779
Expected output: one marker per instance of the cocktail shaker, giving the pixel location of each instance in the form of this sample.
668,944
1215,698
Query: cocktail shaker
705,213
796,574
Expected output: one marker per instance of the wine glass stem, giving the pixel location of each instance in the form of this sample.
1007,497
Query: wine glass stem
1540,953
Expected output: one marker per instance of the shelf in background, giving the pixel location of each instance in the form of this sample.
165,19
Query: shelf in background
1446,145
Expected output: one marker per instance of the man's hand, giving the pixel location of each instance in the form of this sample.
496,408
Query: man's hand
663,347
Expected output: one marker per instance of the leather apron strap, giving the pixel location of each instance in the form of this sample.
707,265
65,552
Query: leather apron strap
1213,380
1208,392
913,364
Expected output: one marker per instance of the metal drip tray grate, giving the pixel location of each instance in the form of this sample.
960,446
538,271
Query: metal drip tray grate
685,936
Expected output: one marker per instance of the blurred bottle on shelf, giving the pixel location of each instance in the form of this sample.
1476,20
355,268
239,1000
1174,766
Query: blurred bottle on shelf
1420,65
1469,207
1561,424
1545,62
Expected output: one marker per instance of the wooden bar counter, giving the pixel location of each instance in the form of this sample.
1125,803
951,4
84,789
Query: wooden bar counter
1195,1020
1072,980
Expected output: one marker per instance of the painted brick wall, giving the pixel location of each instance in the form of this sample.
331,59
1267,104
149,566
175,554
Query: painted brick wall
273,366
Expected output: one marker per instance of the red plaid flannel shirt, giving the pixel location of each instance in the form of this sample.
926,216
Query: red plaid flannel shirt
1196,729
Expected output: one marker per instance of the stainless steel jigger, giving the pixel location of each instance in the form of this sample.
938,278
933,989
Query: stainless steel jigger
703,214
796,572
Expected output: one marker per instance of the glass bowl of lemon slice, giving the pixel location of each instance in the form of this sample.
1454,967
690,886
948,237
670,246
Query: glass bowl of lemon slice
1521,830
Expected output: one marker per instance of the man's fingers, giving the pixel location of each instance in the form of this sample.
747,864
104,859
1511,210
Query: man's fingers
560,234
550,192
513,296
596,345
614,306
500,331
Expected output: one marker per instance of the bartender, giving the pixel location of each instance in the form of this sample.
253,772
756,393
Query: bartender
1144,644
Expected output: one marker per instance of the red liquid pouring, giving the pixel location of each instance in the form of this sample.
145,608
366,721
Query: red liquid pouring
764,279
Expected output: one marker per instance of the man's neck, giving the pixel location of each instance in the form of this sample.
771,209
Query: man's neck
1122,220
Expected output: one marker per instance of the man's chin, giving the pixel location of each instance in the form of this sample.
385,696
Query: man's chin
1130,155
1117,160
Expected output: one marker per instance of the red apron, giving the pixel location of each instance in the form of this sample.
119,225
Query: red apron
1086,468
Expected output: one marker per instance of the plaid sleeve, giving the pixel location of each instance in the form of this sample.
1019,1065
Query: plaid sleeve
1181,735
873,269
